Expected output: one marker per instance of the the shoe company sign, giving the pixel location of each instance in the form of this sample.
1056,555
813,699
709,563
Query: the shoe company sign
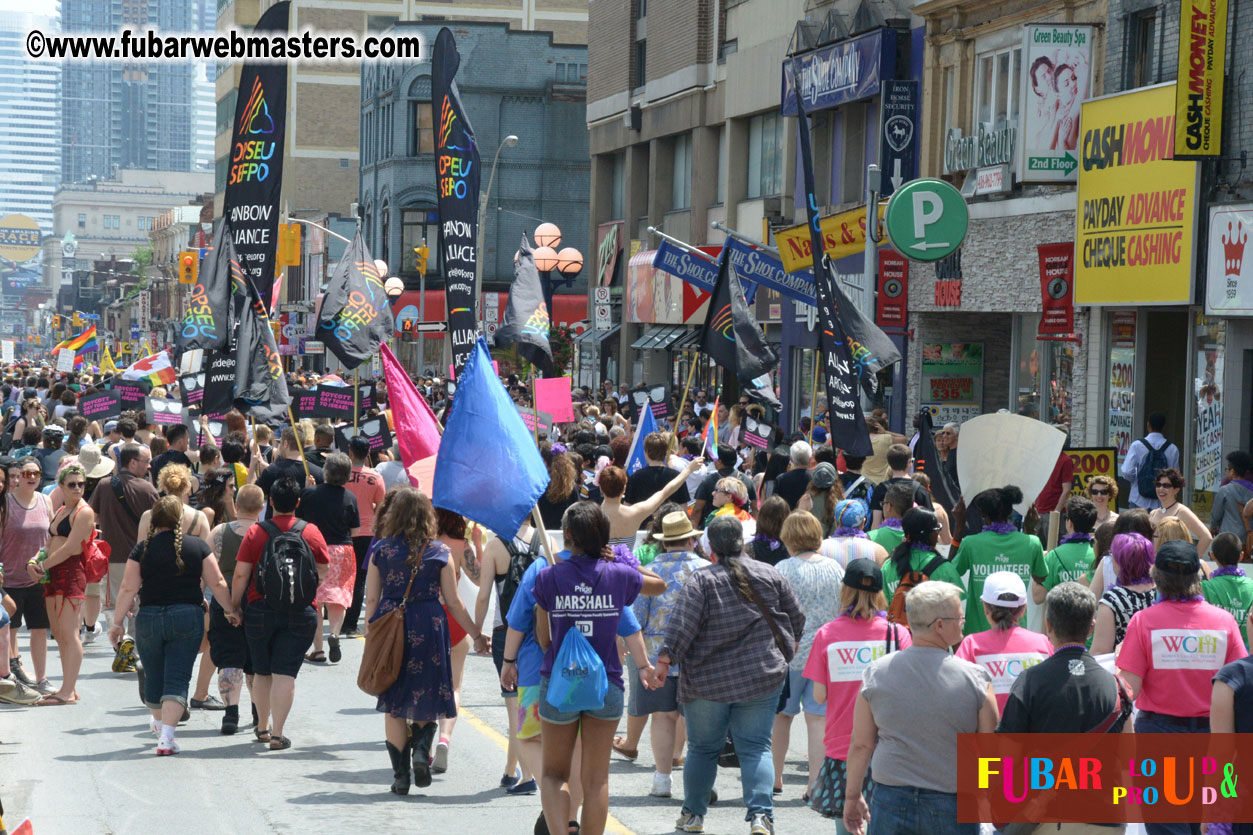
991,146
840,73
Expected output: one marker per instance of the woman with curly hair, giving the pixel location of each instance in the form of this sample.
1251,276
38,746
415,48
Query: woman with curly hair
1103,491
563,485
66,589
166,569
1169,488
407,566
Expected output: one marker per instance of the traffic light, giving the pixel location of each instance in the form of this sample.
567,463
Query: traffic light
56,322
407,333
420,256
288,254
188,266
77,319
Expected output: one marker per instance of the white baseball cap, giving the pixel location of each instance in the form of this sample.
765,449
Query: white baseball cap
1004,588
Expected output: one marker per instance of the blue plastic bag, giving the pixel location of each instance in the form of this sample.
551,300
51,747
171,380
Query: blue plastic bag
578,681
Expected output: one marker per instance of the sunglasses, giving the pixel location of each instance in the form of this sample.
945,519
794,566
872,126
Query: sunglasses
1097,492
74,485
1165,485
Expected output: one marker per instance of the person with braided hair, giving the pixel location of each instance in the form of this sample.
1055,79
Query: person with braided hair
166,570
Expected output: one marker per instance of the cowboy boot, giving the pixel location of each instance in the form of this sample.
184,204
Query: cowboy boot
423,738
400,767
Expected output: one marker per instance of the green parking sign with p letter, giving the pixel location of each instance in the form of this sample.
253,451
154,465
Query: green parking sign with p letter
926,219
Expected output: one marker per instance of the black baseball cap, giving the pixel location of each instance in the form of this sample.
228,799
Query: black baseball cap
1177,557
864,575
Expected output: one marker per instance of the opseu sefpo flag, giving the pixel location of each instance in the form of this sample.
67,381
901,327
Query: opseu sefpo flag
457,185
355,318
254,175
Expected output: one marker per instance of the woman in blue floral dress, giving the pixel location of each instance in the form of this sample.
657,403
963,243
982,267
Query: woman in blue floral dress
423,692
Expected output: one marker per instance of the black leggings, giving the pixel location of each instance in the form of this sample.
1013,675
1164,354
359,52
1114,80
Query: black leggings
361,547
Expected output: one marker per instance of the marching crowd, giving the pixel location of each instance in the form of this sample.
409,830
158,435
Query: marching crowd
724,589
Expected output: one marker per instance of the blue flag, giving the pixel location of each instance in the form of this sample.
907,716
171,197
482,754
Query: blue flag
488,468
635,458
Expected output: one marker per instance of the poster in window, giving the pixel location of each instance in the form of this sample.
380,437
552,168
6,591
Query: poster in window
952,380
1211,338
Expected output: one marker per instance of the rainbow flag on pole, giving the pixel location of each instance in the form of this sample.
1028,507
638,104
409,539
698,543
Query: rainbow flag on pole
709,437
80,345
156,369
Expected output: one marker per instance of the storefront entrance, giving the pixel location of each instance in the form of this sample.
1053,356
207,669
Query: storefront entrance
1165,373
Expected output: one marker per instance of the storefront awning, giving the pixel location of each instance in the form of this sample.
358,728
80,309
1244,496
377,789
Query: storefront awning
593,335
689,341
659,337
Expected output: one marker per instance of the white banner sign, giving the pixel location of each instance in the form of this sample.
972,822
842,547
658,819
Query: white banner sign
65,360
1229,275
8,352
1002,449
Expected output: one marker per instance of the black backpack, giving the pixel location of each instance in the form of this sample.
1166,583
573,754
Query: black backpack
287,574
6,437
1153,464
519,562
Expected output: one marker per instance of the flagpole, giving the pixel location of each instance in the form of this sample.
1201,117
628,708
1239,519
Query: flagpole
674,434
299,441
813,397
356,404
536,518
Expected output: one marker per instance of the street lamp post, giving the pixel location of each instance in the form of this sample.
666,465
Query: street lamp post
508,142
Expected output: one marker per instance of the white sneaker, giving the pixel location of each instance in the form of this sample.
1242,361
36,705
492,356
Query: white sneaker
661,785
761,825
90,635
167,747
689,822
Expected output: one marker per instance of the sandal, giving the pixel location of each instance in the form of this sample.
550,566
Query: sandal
318,657
279,743
262,736
53,700
573,828
629,753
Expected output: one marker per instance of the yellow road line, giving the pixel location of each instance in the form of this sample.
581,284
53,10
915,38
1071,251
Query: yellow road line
502,742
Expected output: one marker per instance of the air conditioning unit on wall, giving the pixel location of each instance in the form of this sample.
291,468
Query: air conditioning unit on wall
633,118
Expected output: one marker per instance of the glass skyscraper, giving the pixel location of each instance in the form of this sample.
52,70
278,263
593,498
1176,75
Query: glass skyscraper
30,123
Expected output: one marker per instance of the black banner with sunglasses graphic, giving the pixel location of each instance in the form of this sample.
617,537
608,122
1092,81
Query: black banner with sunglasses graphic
756,432
374,430
657,397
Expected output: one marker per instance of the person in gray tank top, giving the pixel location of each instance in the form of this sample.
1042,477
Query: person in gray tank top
228,648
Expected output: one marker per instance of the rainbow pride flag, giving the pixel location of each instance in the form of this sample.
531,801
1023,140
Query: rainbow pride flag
80,345
709,437
156,369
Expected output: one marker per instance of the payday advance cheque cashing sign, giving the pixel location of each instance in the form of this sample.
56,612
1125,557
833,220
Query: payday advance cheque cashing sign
1137,204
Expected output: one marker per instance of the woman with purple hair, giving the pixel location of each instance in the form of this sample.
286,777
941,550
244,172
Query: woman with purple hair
1134,590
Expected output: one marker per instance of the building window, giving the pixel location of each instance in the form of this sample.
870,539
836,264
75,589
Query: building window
423,128
385,231
82,220
641,58
617,209
765,155
721,188
1141,31
681,173
996,91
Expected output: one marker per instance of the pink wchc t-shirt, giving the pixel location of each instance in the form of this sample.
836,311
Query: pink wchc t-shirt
1176,648
1005,653
842,651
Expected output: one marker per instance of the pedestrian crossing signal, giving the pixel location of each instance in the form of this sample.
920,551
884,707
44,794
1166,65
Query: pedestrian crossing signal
407,333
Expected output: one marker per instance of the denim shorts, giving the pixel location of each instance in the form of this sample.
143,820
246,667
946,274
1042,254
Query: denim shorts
611,712
278,641
168,638
801,694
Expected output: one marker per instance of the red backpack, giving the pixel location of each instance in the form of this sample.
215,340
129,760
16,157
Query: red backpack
96,553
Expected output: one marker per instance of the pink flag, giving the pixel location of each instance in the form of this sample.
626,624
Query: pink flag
414,424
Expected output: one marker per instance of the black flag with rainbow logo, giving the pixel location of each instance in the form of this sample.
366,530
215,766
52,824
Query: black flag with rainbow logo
732,336
355,317
526,321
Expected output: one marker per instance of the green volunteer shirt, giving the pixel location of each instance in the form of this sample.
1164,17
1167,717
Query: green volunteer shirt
917,562
1068,562
1232,593
889,538
987,552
